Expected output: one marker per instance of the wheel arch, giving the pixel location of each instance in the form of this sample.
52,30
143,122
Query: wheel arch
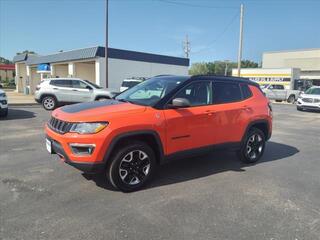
48,95
263,125
101,96
150,137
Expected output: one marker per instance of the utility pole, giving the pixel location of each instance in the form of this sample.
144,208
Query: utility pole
186,47
226,68
107,44
240,40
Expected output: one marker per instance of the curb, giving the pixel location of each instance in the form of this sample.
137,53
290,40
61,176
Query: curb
22,104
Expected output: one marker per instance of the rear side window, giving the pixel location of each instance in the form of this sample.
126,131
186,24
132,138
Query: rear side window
61,83
130,84
246,92
224,92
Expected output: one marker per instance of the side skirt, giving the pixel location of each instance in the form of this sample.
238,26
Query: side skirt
232,146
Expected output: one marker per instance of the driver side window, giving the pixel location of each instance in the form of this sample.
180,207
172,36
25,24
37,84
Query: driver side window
198,93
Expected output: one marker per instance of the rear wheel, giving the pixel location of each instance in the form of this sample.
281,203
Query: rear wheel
49,103
299,108
131,166
102,98
253,146
291,99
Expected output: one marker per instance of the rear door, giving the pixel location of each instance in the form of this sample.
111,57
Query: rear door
81,92
62,89
229,112
189,128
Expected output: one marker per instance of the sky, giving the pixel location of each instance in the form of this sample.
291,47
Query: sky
160,26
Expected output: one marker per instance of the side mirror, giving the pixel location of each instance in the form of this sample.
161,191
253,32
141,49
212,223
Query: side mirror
88,87
180,103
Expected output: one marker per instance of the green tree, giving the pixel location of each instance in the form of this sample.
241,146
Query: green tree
4,61
26,51
219,67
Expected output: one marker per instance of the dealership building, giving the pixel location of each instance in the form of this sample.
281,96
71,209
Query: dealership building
90,64
294,69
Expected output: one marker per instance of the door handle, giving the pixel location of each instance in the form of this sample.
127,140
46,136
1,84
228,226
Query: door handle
75,90
55,88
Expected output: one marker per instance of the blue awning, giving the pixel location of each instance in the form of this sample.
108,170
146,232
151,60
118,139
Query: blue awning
45,67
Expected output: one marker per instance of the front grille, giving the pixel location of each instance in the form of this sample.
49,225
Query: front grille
308,100
59,126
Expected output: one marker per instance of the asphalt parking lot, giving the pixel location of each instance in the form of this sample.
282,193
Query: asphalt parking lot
208,197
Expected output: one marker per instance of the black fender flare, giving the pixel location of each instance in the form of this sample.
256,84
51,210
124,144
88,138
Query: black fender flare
127,135
257,122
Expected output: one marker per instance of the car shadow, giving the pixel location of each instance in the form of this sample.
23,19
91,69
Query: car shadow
15,114
198,167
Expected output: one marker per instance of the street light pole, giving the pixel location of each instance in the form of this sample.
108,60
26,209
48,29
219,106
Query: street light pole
106,45
226,67
240,40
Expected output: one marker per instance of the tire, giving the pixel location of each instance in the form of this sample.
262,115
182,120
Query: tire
255,140
102,98
291,99
124,171
299,108
49,103
4,113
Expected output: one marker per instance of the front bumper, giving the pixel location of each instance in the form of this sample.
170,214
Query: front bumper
311,106
84,167
3,103
60,145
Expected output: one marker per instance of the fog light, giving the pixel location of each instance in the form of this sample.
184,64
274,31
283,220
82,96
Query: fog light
82,149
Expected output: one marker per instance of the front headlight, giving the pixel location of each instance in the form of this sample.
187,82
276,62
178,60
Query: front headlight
88,128
3,95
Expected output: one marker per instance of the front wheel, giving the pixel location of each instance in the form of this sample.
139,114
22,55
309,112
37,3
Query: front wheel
4,113
253,146
49,103
131,166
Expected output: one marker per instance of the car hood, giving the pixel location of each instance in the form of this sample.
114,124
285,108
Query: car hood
96,111
304,95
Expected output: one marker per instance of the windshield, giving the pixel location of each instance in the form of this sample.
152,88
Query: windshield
315,91
151,91
93,84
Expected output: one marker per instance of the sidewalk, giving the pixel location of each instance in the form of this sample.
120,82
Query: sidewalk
15,98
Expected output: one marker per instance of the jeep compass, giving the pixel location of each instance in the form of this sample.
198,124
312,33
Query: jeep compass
158,120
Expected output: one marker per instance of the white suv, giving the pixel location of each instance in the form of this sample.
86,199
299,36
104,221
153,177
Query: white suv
3,104
309,99
53,92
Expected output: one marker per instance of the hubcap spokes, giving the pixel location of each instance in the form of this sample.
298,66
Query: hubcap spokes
254,146
134,167
48,103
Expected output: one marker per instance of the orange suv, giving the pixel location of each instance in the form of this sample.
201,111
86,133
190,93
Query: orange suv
163,118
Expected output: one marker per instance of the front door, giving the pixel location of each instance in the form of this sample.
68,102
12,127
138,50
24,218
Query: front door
189,128
81,92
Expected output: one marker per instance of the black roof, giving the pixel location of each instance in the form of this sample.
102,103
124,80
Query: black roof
224,78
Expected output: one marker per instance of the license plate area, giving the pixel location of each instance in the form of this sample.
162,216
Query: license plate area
48,145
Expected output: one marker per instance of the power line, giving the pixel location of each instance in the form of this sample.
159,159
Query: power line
220,35
195,5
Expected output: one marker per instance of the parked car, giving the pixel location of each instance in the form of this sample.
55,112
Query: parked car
278,93
309,99
54,92
3,104
159,120
130,82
